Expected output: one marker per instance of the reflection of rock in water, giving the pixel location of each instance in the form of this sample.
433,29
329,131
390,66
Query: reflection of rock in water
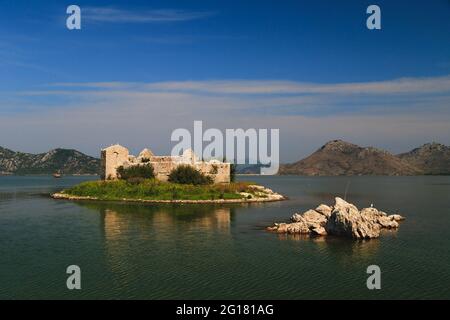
365,249
293,236
345,251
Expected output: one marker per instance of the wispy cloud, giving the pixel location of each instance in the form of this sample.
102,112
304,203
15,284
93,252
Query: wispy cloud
269,97
115,15
394,114
265,87
402,85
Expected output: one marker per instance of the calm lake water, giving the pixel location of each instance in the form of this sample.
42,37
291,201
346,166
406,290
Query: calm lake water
222,252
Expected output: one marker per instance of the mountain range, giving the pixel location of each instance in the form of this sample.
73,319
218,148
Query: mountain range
65,161
335,158
338,157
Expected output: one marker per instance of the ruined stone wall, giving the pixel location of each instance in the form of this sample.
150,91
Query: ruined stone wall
219,171
163,166
112,158
115,156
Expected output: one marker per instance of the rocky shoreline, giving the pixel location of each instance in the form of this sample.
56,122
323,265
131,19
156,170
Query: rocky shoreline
342,219
265,195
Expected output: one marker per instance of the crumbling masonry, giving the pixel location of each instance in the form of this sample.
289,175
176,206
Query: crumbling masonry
115,156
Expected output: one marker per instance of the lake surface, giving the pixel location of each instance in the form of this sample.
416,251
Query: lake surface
133,251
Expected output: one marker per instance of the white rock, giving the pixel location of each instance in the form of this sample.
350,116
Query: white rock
343,219
396,217
346,220
319,231
324,209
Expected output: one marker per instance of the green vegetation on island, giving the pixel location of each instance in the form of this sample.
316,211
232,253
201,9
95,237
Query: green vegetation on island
135,173
152,189
185,183
186,174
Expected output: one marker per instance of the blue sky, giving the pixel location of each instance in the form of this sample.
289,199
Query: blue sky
139,69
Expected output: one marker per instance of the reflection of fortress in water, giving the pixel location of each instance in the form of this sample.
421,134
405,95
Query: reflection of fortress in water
118,222
134,233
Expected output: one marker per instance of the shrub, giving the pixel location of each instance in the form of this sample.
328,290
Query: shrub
186,174
141,171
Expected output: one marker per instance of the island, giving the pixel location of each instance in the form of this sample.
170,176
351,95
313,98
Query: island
166,179
342,219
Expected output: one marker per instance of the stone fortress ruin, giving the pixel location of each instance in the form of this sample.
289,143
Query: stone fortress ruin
116,156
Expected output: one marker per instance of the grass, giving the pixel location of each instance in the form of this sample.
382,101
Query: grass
152,189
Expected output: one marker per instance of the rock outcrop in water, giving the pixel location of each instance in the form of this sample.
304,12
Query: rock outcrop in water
343,219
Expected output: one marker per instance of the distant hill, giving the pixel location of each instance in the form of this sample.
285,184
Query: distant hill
431,158
338,157
66,161
335,158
